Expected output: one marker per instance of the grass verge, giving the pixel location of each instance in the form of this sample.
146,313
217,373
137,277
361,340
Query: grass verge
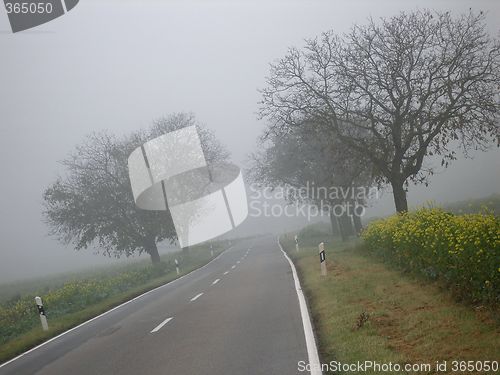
409,320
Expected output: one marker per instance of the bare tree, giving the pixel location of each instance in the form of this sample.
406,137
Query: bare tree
396,91
93,205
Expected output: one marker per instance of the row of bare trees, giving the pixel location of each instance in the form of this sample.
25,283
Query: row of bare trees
354,110
368,107
302,159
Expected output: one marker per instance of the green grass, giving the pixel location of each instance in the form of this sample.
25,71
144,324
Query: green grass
410,320
473,206
23,331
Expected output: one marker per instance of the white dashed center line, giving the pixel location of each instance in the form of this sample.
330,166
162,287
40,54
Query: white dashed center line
225,273
233,267
159,326
238,262
215,281
196,297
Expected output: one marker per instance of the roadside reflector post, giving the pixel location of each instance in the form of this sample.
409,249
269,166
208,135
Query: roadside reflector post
297,243
211,251
176,266
41,311
322,258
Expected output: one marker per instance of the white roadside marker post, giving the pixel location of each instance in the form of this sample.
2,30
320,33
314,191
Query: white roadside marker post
211,251
322,258
176,266
297,243
41,311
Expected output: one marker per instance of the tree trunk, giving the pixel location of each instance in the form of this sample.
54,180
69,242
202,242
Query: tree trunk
358,227
334,224
345,226
347,221
152,250
343,235
399,194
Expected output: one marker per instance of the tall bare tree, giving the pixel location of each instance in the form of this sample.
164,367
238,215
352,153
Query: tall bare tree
92,205
396,91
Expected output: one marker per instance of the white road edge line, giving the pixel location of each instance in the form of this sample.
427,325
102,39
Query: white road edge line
215,281
160,326
107,312
196,297
312,349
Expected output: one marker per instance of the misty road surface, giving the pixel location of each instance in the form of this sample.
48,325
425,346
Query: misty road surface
237,315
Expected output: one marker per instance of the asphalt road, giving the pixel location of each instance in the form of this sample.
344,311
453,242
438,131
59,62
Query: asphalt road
237,315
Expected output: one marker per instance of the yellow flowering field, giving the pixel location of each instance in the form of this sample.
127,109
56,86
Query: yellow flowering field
463,250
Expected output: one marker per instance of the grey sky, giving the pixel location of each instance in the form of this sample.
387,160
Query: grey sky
118,65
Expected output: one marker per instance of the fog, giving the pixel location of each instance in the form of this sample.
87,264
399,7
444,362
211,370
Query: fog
118,65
